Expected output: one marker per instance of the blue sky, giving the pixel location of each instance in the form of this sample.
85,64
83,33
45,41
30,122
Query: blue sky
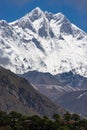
74,10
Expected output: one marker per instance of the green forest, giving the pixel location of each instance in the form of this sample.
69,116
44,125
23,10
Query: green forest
17,121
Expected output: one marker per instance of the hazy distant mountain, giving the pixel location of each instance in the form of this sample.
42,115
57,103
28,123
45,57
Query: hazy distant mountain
36,78
17,94
75,102
53,86
44,42
64,79
68,89
72,79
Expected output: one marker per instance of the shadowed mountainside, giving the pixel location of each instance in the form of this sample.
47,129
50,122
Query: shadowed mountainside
17,94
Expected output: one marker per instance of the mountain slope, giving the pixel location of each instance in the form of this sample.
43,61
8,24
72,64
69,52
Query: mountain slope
75,81
68,89
54,86
72,79
37,78
17,94
75,102
44,42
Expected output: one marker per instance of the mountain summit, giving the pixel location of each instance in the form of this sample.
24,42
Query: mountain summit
44,42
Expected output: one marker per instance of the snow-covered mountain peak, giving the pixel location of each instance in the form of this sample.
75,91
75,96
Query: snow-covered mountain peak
37,9
59,15
49,15
3,23
36,13
25,23
44,42
63,23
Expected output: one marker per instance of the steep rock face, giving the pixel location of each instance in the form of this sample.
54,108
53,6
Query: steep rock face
44,42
